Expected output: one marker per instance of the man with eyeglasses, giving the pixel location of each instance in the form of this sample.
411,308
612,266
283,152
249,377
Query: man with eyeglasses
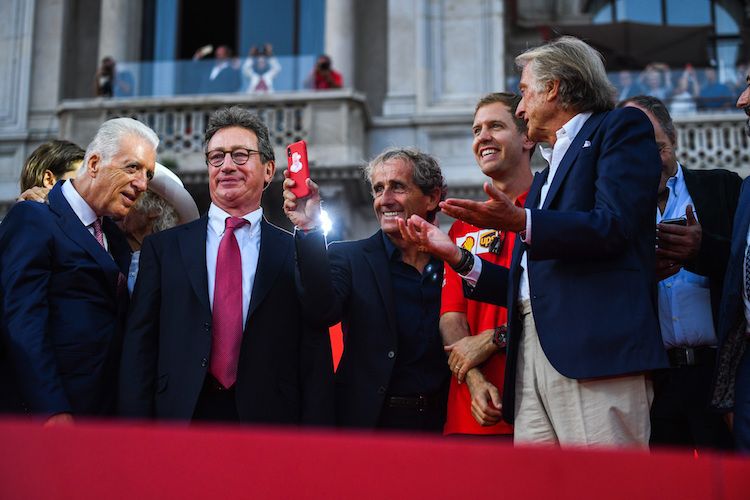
216,331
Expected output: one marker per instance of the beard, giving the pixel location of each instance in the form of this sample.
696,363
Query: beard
747,128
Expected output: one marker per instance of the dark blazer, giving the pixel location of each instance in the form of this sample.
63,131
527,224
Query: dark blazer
591,259
62,316
351,283
715,194
285,373
732,339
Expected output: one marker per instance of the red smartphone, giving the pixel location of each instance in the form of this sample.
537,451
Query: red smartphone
299,170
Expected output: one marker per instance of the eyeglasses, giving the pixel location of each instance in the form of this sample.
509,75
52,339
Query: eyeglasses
240,156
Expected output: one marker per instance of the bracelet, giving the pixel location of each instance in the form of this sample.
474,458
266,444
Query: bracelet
306,229
466,263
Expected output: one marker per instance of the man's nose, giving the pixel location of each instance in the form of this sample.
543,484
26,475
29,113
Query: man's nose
744,99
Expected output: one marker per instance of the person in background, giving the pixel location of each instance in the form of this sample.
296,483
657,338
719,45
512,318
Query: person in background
224,76
691,259
714,95
260,68
51,162
108,82
165,204
323,75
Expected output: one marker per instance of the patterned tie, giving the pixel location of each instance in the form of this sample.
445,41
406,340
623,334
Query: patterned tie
227,313
98,233
122,282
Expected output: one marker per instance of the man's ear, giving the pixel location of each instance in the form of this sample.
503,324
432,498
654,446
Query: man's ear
270,169
553,90
93,164
48,179
434,199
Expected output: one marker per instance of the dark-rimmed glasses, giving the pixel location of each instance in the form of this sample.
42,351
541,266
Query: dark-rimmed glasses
215,157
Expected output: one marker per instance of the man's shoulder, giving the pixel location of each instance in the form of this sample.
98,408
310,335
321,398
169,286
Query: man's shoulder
712,174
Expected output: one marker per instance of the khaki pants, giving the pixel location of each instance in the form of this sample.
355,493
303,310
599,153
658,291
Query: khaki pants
551,408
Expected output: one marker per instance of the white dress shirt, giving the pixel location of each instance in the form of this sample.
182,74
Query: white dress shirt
248,239
85,213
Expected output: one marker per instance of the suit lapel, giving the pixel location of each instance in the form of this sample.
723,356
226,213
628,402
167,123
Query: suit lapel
377,259
585,134
192,243
74,229
703,203
273,253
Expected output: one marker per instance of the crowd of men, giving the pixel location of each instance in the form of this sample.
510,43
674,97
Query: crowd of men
602,301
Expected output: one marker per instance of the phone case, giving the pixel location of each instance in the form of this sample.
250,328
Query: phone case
299,170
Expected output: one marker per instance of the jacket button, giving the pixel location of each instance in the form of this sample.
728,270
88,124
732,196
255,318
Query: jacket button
381,391
204,362
207,327
391,354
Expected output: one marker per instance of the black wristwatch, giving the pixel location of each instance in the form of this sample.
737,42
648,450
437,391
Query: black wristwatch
500,338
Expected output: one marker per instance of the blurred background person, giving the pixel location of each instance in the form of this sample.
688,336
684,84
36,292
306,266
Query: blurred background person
714,95
657,80
224,76
627,85
108,82
51,162
260,68
165,204
323,76
686,93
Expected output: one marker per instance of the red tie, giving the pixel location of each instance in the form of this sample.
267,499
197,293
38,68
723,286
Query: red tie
227,313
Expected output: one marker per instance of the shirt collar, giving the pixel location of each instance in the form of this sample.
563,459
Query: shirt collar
675,182
217,220
570,130
82,209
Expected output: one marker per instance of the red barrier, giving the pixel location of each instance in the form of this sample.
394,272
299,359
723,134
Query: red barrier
114,460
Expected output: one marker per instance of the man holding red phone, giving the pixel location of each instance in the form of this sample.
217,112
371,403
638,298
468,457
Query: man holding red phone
385,293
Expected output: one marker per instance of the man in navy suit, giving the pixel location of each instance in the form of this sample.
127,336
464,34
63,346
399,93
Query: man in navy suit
63,267
178,362
385,293
732,378
583,330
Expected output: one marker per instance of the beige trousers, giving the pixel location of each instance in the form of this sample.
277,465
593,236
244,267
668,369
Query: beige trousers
551,408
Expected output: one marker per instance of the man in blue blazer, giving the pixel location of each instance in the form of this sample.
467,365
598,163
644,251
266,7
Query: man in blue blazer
731,392
63,267
580,292
176,364
385,293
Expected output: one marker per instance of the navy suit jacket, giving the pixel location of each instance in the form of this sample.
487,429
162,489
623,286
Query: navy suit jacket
62,317
285,372
351,283
732,339
591,259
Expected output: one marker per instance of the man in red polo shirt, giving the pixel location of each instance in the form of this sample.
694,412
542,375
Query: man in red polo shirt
473,331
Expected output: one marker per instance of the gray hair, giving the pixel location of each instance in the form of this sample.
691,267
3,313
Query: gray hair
657,108
106,142
166,215
237,116
427,174
578,67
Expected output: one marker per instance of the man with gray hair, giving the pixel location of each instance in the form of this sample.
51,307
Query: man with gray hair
385,293
63,268
580,291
